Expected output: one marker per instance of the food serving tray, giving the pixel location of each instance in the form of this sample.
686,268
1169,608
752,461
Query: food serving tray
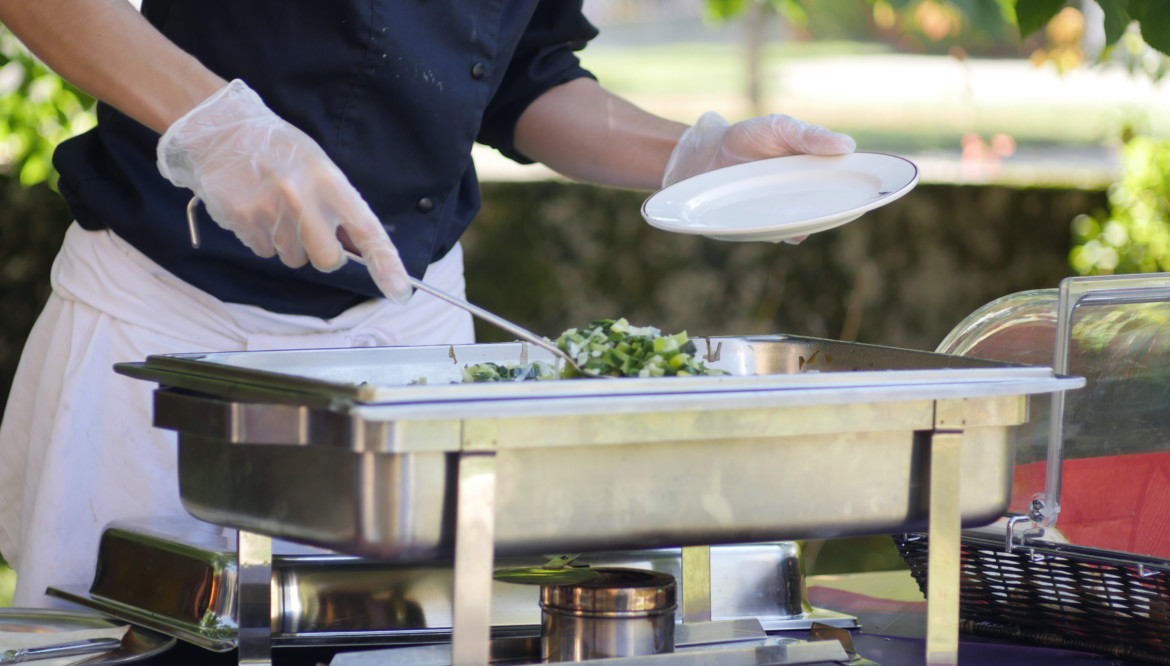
352,449
322,598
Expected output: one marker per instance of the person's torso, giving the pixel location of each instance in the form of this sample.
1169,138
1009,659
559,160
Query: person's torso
395,92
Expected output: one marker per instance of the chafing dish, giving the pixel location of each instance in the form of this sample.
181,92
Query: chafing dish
178,576
374,452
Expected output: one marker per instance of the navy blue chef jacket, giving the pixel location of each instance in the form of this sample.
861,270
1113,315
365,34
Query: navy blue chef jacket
395,91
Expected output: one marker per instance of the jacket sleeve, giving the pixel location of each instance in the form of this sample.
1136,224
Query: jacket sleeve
545,57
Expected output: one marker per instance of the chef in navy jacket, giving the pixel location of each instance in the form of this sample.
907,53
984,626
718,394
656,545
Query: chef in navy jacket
306,129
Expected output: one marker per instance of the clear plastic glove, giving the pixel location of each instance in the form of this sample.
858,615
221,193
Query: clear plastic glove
272,186
713,143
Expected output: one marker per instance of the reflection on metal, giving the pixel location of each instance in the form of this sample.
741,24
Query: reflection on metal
598,465
474,560
619,613
696,597
321,598
255,598
942,620
826,632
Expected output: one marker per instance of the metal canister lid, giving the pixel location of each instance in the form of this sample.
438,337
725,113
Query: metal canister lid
614,590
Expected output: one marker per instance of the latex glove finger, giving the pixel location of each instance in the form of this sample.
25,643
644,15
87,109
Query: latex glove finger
385,266
255,237
778,136
369,238
713,143
304,231
274,187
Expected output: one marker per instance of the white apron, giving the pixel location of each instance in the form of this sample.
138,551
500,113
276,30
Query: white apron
77,449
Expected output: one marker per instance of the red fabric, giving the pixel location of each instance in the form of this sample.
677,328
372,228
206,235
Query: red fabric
1116,502
844,601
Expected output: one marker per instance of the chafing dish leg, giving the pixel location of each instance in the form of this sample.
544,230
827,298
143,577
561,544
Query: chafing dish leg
254,598
696,584
474,559
942,608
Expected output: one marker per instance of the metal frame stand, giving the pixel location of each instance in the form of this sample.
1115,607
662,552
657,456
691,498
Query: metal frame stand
945,527
475,557
254,598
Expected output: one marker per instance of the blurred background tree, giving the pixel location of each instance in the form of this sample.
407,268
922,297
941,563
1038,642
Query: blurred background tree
38,110
1134,234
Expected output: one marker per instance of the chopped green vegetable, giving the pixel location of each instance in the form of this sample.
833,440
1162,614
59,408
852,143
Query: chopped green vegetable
614,348
606,348
512,372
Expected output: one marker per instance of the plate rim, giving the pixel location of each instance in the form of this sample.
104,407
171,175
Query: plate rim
799,227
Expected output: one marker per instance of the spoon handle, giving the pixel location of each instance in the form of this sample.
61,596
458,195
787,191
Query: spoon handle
475,310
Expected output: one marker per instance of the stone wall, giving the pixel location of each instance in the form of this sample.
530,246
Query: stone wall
554,255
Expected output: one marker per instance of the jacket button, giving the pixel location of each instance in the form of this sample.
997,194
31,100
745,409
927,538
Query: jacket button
478,70
425,205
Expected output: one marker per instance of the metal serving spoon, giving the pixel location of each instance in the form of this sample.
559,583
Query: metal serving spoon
490,317
58,650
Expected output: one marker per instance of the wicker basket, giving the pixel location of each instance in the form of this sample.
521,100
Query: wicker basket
1058,595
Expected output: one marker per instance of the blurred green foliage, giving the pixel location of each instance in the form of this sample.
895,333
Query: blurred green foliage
38,110
1134,236
7,583
939,19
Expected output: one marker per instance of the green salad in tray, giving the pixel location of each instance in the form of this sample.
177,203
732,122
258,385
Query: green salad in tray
606,348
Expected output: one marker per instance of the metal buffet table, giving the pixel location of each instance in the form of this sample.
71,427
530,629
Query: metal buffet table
381,453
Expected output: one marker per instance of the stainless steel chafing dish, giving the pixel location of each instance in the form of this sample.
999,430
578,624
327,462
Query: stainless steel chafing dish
322,598
374,452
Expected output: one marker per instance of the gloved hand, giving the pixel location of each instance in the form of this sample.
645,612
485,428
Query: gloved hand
713,143
275,188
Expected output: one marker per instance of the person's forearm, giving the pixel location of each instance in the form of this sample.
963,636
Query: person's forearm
586,133
106,48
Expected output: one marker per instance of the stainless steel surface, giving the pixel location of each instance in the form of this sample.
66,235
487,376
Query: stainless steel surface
696,598
768,651
942,620
675,462
254,585
137,644
619,613
474,562
693,634
384,383
60,650
328,599
725,451
492,318
729,488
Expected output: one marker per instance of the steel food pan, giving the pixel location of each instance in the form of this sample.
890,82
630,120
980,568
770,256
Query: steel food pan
325,598
355,450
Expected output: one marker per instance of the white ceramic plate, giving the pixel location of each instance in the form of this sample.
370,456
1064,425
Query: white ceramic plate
782,197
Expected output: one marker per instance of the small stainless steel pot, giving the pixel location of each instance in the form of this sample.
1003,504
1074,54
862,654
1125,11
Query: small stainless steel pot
618,613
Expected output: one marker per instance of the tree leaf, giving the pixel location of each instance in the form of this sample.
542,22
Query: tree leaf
989,16
1154,16
1117,18
725,9
1032,15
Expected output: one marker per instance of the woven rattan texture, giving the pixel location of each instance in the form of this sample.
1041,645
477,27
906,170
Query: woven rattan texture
1056,600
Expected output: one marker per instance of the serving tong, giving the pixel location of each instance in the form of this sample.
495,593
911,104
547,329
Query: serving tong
60,650
476,311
